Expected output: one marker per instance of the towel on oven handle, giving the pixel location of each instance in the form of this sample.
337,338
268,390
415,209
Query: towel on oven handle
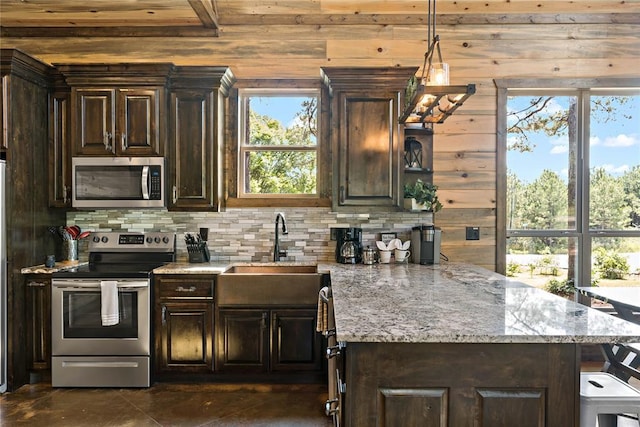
110,313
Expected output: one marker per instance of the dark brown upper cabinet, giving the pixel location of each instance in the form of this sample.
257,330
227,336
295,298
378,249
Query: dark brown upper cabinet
366,137
118,109
199,98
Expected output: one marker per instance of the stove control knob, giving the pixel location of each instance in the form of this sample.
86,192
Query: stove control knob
105,239
96,239
157,240
165,240
149,240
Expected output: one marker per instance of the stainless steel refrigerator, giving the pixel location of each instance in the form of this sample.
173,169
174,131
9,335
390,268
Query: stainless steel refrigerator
3,282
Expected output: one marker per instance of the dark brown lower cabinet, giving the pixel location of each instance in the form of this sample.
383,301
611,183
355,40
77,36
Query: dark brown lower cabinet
467,385
184,323
38,288
268,340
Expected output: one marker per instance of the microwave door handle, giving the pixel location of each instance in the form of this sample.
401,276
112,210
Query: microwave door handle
145,182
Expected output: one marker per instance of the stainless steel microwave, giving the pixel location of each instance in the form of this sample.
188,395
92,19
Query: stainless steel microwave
118,182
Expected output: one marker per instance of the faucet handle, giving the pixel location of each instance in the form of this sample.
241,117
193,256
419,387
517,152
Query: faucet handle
282,253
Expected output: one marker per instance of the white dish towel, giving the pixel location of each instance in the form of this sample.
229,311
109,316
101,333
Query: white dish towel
109,302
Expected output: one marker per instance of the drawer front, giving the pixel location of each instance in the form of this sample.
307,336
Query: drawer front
185,288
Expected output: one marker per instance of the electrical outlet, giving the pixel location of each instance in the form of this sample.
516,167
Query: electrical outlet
473,233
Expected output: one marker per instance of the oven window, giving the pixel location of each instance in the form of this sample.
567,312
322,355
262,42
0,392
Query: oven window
82,318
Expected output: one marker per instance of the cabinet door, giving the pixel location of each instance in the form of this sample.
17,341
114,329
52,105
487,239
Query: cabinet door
185,337
242,340
368,148
94,121
59,150
192,150
138,125
38,321
295,343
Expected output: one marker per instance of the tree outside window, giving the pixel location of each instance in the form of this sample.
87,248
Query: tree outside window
278,148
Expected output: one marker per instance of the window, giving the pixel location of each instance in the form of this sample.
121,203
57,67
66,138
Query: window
571,162
278,149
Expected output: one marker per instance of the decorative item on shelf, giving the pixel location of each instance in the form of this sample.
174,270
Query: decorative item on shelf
421,196
430,99
412,153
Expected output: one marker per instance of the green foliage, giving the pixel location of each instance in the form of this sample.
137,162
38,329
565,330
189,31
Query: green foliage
560,287
288,170
424,193
609,208
609,264
548,266
513,268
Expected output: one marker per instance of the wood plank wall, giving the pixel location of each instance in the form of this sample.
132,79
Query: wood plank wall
481,40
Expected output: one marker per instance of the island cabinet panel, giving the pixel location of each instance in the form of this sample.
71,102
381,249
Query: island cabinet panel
184,323
474,385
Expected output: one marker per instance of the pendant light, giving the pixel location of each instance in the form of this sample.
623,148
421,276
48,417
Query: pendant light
430,99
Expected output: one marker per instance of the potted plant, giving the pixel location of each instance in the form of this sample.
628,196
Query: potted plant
421,196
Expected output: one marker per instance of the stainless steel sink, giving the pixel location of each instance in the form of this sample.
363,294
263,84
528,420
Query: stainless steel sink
273,284
272,269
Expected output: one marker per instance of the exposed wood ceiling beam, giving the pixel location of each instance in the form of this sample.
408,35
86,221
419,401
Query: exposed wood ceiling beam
207,12
159,31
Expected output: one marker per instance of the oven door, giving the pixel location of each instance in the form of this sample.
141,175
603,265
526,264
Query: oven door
76,322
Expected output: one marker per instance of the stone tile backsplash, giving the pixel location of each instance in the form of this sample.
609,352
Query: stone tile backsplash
248,234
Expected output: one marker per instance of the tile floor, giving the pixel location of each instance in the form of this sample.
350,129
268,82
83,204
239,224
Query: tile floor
166,405
182,405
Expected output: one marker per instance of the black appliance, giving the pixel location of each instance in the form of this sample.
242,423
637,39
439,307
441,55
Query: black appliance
425,244
349,245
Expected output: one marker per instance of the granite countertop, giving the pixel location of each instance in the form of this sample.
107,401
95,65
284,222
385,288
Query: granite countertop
59,266
459,303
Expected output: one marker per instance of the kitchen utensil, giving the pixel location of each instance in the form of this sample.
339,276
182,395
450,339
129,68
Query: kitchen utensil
401,255
83,235
368,256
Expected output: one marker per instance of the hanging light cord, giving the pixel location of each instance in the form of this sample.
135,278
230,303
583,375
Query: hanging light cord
433,39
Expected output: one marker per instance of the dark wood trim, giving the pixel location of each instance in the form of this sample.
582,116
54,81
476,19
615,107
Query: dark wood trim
501,181
301,202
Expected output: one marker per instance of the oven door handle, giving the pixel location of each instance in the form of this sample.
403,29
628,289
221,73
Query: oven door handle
93,284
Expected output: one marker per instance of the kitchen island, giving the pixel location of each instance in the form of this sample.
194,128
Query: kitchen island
458,345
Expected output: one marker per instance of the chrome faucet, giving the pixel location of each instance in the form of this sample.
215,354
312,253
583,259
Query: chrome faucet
277,253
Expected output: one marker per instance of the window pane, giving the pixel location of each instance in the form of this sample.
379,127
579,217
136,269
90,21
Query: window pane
544,262
282,120
541,162
614,163
615,261
281,172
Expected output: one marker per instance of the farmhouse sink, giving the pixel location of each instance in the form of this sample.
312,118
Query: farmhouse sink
268,284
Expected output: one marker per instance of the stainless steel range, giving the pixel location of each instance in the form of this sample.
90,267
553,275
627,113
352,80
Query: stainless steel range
101,312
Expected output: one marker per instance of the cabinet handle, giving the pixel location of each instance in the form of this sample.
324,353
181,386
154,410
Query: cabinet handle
264,321
65,192
36,285
164,314
175,194
107,141
189,289
123,141
341,194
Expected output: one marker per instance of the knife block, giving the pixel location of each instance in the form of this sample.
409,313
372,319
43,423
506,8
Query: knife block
198,252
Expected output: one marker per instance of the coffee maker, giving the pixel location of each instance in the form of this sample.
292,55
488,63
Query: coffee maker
425,244
349,245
